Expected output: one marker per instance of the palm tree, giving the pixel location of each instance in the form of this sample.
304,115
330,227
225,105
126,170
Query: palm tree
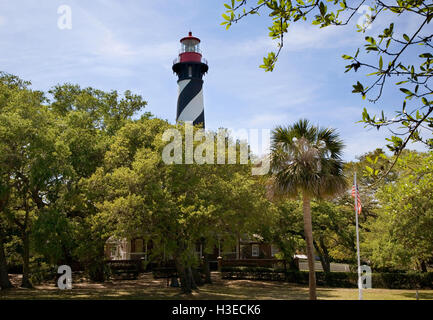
307,159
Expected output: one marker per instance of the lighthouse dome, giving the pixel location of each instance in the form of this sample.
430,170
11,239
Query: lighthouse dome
190,50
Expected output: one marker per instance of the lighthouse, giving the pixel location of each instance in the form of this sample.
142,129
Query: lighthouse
190,67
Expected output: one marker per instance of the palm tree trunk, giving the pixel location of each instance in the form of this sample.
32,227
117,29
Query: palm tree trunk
308,230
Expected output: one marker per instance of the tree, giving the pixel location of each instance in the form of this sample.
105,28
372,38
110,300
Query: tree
284,229
32,158
334,231
4,199
90,118
306,159
4,277
8,86
46,149
333,227
394,55
176,205
400,236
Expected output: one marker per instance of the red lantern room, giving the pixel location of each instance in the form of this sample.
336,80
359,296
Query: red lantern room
190,62
190,50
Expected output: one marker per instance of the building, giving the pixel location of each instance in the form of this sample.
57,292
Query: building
190,67
128,249
140,249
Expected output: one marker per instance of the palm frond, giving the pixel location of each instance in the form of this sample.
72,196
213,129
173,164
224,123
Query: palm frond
305,158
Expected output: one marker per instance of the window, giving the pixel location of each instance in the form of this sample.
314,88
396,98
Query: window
255,250
190,71
113,251
190,46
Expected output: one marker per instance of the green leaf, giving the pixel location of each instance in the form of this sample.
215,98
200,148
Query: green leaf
426,55
357,52
369,170
322,8
370,40
401,82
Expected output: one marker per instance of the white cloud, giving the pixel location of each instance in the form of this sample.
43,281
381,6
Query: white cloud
106,41
221,50
302,36
268,120
111,47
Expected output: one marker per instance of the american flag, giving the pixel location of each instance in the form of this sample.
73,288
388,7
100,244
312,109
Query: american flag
355,193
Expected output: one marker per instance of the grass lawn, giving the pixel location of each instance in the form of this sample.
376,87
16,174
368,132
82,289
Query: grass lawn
148,288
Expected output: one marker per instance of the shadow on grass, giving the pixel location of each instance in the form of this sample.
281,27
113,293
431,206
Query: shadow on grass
422,295
148,288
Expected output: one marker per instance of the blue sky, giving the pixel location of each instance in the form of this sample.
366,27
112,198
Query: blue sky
131,44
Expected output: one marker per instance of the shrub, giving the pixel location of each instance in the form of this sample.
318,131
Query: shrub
98,272
42,272
410,280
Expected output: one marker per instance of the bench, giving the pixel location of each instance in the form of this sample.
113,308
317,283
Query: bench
125,269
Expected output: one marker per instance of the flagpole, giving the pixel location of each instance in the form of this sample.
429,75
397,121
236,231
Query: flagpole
357,240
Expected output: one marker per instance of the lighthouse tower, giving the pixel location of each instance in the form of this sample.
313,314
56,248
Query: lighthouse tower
190,68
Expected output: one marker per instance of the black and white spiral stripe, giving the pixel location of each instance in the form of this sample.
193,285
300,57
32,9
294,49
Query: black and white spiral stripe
190,105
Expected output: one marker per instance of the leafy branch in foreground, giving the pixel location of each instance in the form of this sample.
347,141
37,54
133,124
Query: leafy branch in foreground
395,60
